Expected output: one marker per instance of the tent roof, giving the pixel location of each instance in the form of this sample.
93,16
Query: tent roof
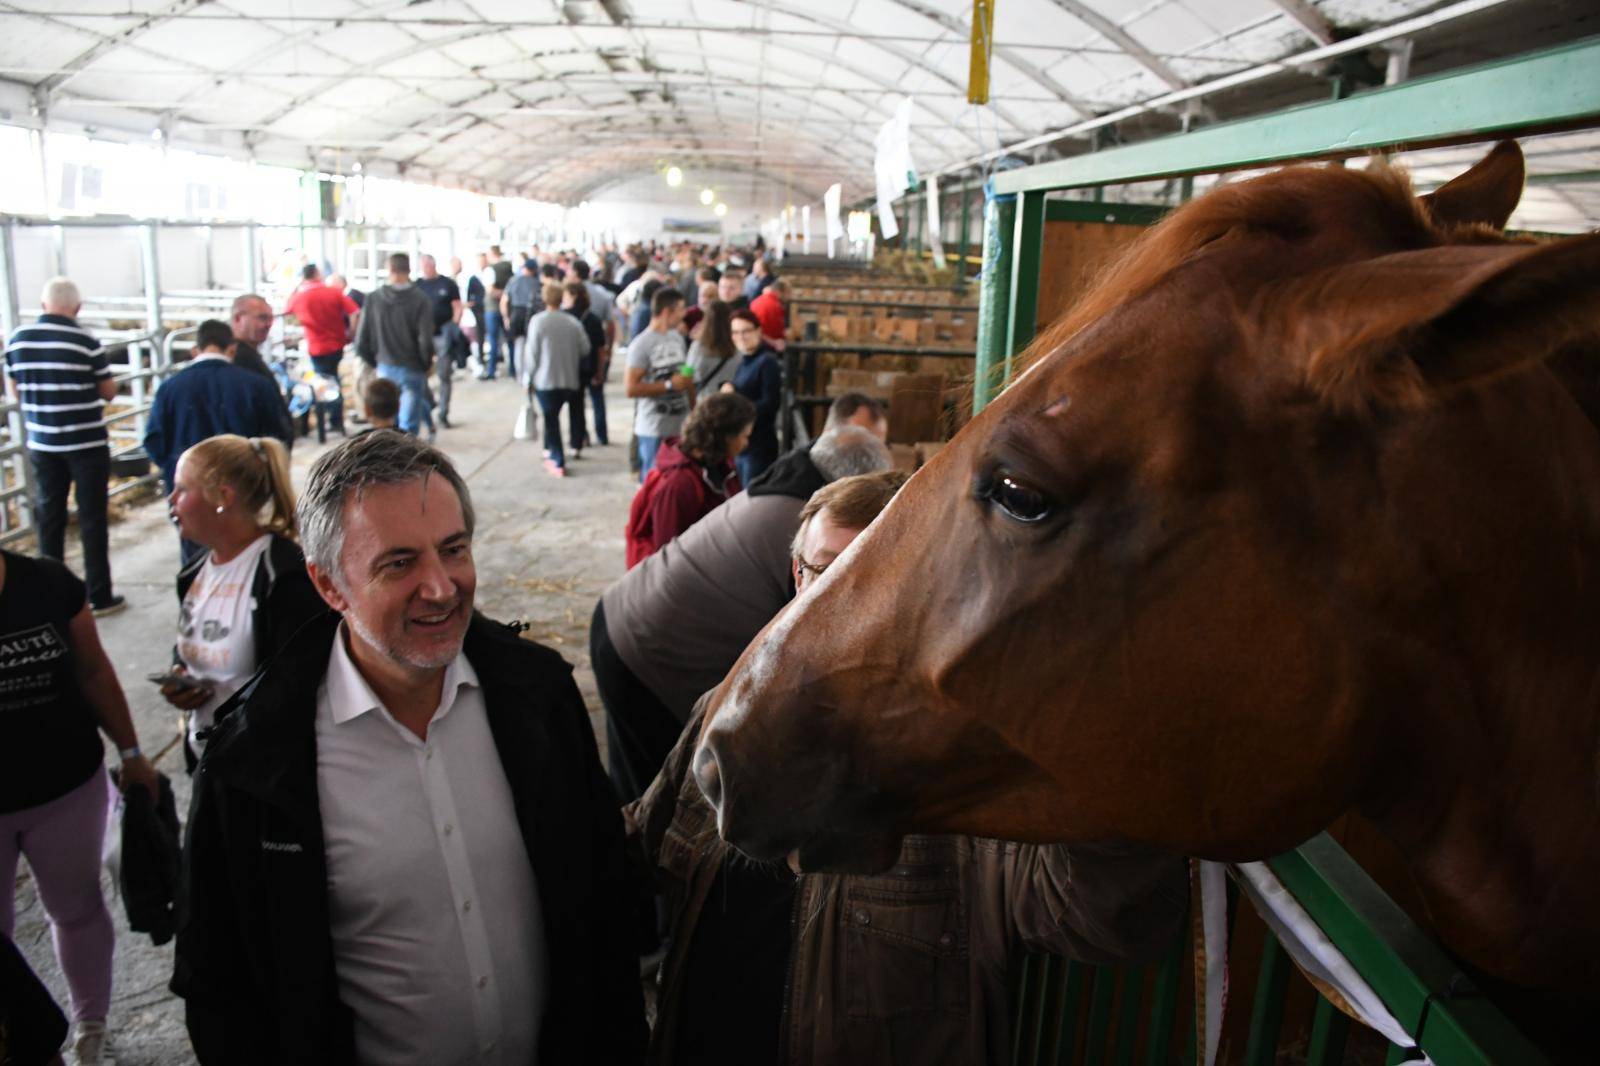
563,99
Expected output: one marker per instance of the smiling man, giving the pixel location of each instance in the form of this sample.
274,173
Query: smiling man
402,847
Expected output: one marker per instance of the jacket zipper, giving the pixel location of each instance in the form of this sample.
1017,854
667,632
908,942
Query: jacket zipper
784,1043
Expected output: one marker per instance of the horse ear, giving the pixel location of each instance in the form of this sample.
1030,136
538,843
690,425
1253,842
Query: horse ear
1401,329
1485,194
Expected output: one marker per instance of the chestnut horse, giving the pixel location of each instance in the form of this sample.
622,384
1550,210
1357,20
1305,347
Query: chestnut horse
1293,515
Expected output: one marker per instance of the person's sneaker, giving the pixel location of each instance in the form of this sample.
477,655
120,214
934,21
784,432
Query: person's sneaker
110,606
444,422
89,1045
555,470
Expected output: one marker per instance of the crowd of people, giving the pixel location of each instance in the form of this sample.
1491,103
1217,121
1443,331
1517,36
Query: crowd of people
403,846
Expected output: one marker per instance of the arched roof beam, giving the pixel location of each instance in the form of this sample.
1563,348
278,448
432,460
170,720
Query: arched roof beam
902,54
589,190
1031,71
1120,37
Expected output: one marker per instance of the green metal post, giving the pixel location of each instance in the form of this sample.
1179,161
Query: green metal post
1266,1012
1329,1028
961,246
1096,1040
917,204
1027,261
994,299
1164,1005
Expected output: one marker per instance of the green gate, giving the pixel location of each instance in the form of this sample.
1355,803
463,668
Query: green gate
1070,1012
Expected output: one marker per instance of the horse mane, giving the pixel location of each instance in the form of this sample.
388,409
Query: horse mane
1374,209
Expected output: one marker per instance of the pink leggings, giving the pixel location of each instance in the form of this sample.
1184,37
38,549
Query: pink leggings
62,841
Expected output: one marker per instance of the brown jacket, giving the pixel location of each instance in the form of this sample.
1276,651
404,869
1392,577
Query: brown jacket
911,965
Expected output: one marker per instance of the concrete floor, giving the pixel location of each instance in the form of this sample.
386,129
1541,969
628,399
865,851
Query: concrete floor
545,550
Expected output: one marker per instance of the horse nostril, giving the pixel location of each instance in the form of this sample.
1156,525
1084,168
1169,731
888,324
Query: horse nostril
709,777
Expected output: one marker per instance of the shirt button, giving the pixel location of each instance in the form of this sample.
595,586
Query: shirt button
448,829
862,917
483,982
467,906
945,940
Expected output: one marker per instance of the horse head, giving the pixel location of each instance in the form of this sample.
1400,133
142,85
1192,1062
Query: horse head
1288,517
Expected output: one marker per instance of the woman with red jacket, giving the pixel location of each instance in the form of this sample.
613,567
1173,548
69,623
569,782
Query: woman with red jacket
692,474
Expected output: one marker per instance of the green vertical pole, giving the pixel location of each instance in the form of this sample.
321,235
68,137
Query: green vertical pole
1329,1028
917,204
1027,261
1097,1038
1266,1010
994,298
961,246
1186,188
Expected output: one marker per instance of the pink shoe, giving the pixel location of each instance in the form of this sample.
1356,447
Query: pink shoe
555,470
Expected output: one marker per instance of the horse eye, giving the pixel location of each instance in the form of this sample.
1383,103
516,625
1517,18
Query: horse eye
1021,502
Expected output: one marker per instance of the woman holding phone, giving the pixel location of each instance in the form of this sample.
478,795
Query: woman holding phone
247,593
58,691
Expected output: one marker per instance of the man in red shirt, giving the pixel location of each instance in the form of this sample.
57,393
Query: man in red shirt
771,307
323,313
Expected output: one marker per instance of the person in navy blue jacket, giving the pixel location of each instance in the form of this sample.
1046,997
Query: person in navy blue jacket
208,397
758,379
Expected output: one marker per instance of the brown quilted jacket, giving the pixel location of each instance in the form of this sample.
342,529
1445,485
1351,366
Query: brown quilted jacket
909,966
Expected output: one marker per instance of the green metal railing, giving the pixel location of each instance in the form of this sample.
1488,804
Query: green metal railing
1539,92
1069,1012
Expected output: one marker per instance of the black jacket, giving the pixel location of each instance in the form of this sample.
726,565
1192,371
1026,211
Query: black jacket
282,598
151,863
254,955
793,474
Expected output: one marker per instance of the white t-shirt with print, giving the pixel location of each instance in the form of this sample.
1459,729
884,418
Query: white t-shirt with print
216,631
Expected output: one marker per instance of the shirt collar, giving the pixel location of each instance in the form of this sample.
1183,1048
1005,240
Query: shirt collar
350,697
58,320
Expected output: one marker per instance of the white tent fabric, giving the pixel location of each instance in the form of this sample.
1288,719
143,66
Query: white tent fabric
561,100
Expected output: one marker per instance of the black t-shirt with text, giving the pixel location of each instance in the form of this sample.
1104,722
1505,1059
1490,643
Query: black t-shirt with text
48,743
443,292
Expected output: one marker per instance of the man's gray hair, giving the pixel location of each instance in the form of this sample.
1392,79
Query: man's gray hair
846,451
242,302
382,457
61,294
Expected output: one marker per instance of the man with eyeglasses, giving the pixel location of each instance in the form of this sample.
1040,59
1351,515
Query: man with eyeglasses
905,967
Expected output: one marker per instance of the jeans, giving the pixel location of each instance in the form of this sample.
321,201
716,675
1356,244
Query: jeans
597,396
413,395
62,841
444,364
550,403
88,472
648,446
333,410
494,328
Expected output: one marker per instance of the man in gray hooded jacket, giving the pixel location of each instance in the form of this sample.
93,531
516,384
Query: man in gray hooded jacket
396,336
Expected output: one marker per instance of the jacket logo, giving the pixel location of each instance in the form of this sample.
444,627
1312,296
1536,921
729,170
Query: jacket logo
284,846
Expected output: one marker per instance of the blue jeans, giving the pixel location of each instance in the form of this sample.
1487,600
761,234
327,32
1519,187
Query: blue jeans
413,395
597,395
648,446
551,401
494,328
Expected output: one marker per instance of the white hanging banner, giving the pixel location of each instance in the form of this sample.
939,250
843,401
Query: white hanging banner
830,214
892,166
805,226
934,243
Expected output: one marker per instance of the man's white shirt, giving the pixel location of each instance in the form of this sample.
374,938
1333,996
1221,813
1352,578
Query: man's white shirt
438,939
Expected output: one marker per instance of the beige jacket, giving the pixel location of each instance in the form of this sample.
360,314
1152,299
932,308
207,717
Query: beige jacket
909,966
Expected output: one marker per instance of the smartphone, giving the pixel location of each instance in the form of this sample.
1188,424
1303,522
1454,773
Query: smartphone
183,681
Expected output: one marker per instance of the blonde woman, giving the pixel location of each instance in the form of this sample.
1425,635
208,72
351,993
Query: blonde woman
246,593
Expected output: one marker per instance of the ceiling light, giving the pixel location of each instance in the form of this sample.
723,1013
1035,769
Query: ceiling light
674,177
156,134
355,168
707,197
721,209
